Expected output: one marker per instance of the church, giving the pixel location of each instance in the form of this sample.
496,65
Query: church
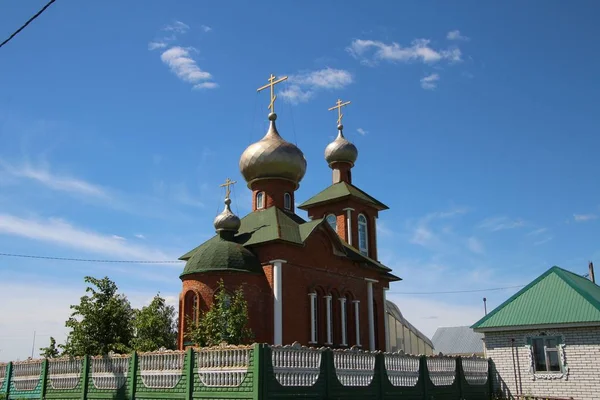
315,281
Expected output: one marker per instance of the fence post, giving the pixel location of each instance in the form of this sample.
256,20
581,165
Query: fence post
133,375
424,372
8,378
259,371
189,390
85,376
327,356
380,365
44,378
460,375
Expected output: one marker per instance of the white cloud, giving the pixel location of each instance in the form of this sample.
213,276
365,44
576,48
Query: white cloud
184,66
206,85
371,51
430,81
62,233
140,236
156,45
304,85
53,181
423,235
475,245
177,27
537,232
117,237
206,28
584,217
362,131
501,223
456,35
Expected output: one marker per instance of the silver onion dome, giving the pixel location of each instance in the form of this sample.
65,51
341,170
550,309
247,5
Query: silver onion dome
227,220
341,150
272,157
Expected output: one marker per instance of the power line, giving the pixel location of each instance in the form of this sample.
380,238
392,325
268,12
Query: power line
27,23
92,260
462,291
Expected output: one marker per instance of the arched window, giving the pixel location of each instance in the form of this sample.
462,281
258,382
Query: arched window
363,241
260,200
287,201
332,221
191,306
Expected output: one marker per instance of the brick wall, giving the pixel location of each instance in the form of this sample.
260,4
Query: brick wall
582,352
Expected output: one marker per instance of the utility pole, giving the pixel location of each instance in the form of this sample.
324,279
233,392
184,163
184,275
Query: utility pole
591,269
33,345
485,305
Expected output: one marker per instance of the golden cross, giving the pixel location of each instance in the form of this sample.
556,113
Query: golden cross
228,182
339,106
271,84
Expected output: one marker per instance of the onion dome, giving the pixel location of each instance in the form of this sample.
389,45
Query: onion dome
341,150
272,158
227,220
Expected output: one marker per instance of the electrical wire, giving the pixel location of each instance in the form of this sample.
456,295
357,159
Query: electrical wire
27,23
462,291
91,260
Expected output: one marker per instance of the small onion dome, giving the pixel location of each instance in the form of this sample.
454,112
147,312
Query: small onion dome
219,254
227,221
341,150
272,158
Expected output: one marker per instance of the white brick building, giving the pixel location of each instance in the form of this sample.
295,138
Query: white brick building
545,340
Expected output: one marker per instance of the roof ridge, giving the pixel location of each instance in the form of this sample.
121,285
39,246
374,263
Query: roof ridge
568,277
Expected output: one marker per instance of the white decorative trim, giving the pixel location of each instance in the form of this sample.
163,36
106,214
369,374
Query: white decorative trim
329,315
161,370
386,328
357,320
349,224
110,372
354,367
26,374
402,369
548,375
442,370
343,321
65,373
296,365
313,316
223,366
475,370
277,301
371,314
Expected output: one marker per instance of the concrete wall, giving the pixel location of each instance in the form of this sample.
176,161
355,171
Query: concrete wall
582,355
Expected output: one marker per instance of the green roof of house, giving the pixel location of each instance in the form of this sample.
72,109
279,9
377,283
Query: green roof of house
274,224
339,191
557,297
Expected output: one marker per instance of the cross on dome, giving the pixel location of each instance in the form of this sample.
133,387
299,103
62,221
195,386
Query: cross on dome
338,105
272,82
227,184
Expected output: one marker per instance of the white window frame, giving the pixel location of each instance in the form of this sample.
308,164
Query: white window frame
329,314
260,204
343,318
314,326
327,219
555,349
287,201
357,320
363,223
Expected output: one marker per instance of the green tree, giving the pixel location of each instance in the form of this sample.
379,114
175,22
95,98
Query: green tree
225,321
51,351
101,322
154,326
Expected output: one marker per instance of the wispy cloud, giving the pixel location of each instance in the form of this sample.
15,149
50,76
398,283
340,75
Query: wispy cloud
140,236
177,27
62,233
44,176
304,85
584,217
156,45
430,81
423,234
456,35
545,240
537,232
370,52
185,67
205,28
475,245
500,223
362,131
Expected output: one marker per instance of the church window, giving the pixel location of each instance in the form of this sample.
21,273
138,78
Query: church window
329,315
260,200
343,318
287,201
363,242
332,221
313,317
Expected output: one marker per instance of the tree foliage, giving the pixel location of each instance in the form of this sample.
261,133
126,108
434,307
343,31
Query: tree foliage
225,321
101,322
51,351
155,326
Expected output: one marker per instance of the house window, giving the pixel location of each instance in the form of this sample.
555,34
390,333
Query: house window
545,354
314,322
332,221
363,244
260,200
287,201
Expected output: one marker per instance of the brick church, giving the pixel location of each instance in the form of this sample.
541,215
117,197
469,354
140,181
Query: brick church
317,282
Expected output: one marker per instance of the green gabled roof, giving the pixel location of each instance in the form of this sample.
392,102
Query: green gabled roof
339,191
556,297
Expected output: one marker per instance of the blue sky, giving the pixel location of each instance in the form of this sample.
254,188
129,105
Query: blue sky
476,123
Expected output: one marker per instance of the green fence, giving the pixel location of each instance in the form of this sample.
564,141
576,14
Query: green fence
249,372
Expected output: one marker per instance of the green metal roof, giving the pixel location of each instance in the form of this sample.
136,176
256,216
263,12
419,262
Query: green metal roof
342,190
271,224
556,297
